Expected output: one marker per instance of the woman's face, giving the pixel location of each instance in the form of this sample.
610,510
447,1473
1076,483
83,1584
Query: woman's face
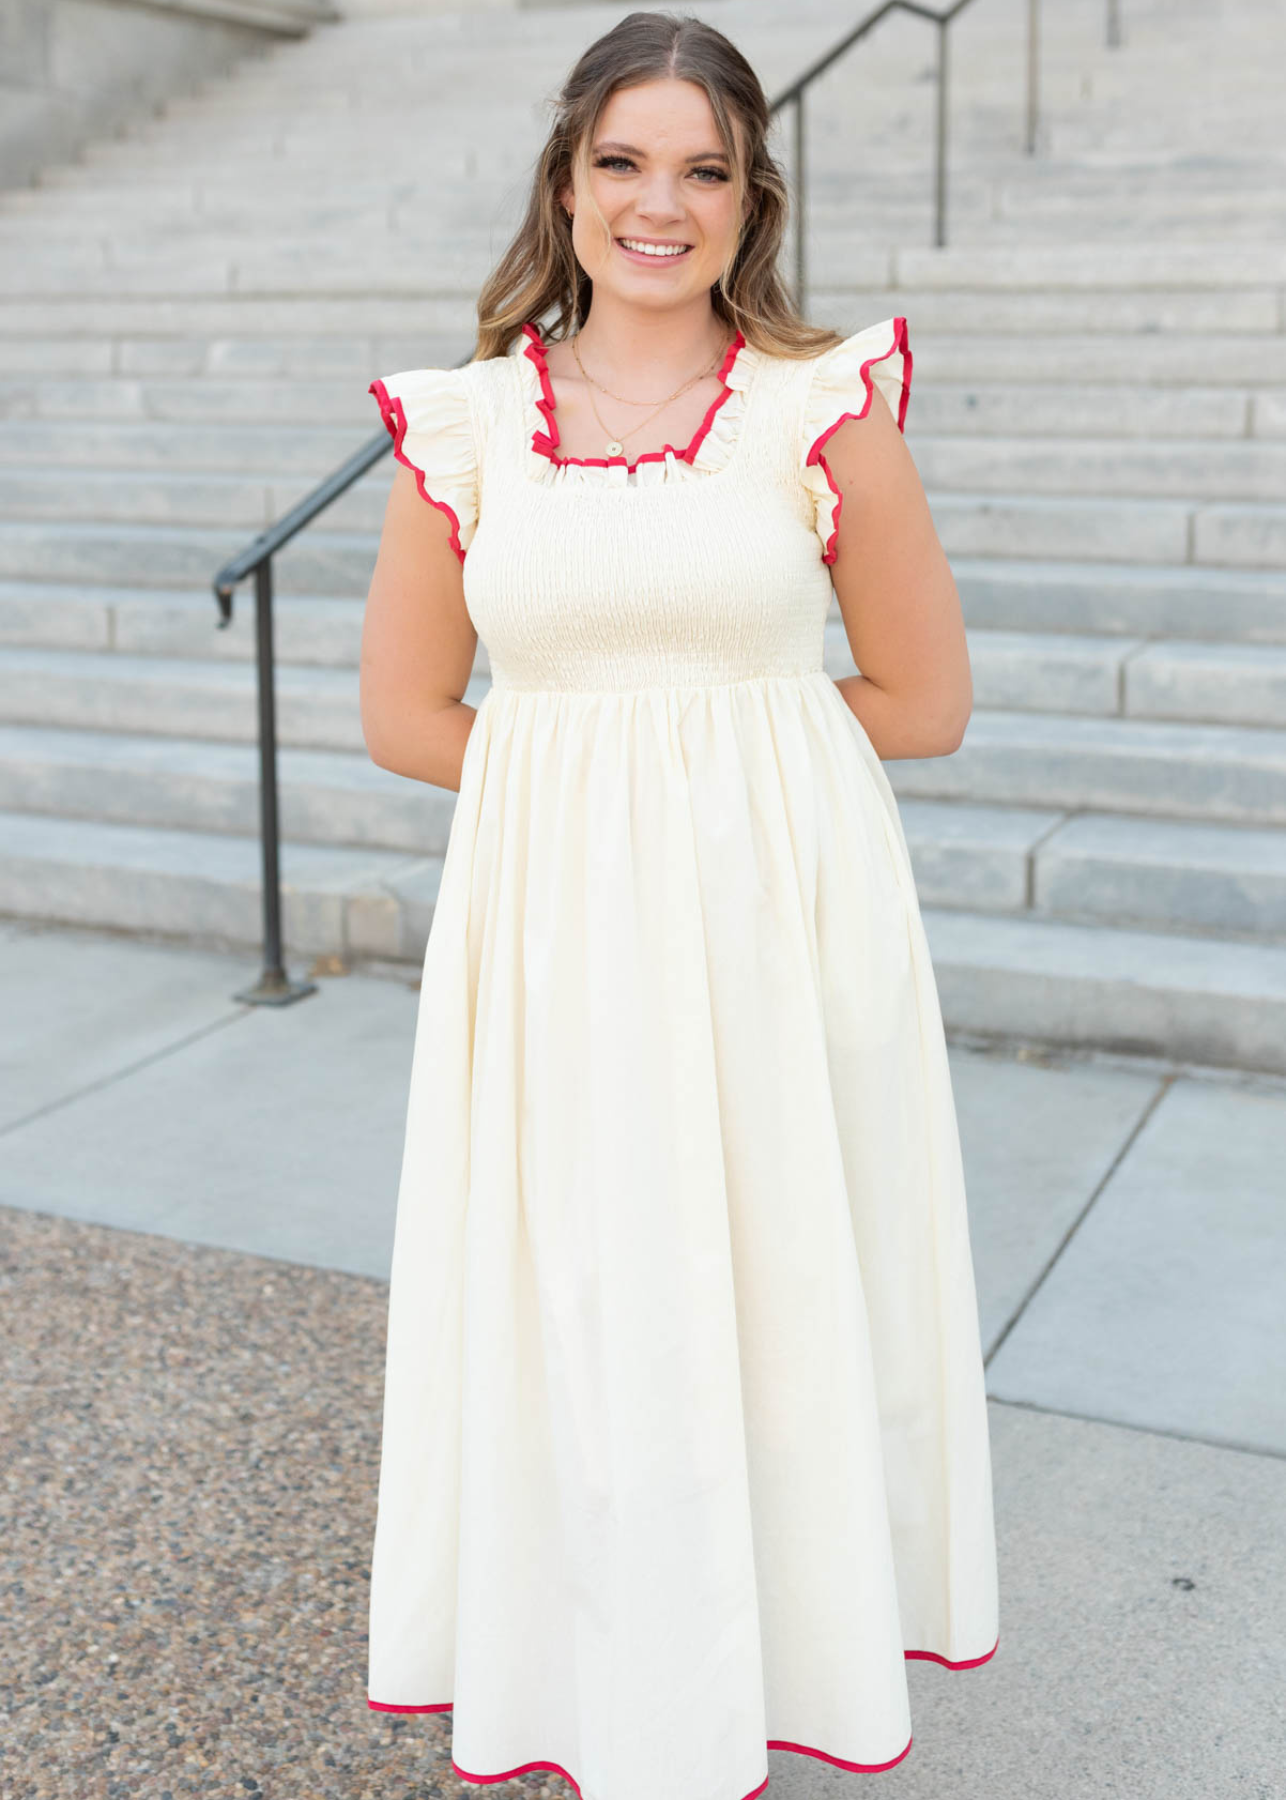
659,176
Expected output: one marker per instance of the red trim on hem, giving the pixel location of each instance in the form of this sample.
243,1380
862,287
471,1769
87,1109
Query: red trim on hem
971,1662
837,1761
773,1744
393,414
815,456
383,1706
522,1769
544,443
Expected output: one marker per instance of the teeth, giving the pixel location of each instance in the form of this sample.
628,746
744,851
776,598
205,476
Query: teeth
654,249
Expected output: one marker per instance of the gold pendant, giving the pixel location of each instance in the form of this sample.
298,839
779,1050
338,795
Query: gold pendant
614,449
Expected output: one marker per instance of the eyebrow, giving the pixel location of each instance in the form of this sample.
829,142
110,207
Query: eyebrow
632,150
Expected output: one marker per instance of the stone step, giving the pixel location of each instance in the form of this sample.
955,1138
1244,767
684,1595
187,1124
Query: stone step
1058,672
233,319
1223,773
1201,262
180,378
1182,601
205,887
1049,463
1193,999
1236,684
320,561
137,423
327,796
176,622
1160,872
1163,874
86,690
145,497
39,448
1225,534
216,498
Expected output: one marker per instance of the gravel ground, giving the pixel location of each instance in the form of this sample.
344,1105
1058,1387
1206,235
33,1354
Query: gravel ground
190,1452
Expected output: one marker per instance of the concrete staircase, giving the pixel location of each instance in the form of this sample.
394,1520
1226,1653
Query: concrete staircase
189,319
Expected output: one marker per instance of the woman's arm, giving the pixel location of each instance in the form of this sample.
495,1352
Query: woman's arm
897,595
418,644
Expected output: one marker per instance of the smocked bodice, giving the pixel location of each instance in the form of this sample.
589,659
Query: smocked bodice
705,563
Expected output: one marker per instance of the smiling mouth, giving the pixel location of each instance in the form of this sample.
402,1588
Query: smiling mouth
654,252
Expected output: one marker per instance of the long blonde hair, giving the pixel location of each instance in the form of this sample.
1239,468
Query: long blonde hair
539,272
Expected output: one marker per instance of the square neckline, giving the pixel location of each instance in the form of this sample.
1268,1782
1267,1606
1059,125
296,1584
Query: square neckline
542,444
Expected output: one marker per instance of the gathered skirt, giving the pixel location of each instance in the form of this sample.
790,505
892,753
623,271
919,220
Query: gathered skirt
685,1444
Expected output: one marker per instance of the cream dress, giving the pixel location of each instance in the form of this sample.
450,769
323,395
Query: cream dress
685,1442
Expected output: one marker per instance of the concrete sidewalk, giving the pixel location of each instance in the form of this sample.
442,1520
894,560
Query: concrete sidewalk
202,1198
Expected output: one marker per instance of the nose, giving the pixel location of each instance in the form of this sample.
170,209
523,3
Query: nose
659,197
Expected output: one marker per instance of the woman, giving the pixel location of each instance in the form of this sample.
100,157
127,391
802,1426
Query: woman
685,1444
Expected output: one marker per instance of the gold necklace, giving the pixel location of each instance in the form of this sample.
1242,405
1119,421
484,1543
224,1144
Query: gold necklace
616,445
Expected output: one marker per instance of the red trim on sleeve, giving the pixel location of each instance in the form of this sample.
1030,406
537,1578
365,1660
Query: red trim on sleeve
815,449
393,414
544,443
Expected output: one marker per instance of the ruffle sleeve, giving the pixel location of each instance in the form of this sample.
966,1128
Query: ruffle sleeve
842,387
428,417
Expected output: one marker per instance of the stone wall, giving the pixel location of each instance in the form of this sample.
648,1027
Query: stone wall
71,70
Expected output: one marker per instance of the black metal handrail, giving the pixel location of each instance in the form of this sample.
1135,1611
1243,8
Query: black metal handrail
274,986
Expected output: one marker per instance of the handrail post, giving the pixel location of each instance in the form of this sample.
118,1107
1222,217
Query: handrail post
1113,24
800,200
940,183
274,987
1033,73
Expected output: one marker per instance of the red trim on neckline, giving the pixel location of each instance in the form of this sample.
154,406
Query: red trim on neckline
393,414
971,1662
815,456
544,443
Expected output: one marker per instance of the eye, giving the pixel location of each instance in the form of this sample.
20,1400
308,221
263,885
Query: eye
606,162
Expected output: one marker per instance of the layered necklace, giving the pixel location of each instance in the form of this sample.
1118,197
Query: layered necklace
616,445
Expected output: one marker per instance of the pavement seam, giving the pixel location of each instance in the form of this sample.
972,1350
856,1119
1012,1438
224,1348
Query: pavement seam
127,1069
1127,1144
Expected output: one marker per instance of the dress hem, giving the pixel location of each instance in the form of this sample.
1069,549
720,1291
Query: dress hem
839,1762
